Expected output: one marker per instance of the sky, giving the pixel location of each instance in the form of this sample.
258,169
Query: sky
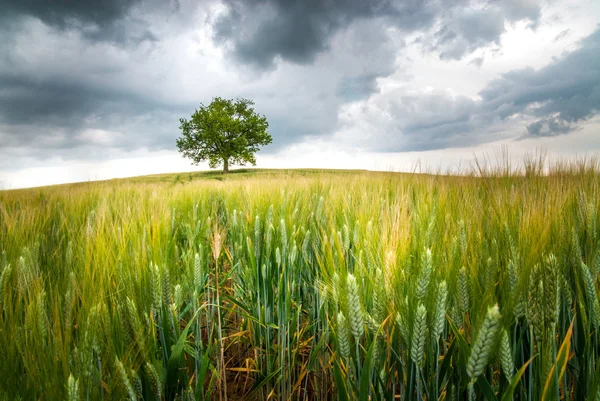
95,89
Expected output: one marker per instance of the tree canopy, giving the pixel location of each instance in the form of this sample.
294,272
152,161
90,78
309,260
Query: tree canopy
225,131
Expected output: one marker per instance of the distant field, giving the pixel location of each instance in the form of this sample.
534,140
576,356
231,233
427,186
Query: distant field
303,285
187,177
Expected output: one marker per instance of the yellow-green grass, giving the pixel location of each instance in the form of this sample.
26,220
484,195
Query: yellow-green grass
303,284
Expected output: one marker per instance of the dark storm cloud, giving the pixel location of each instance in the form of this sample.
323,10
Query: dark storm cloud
54,113
259,31
63,13
24,100
104,20
63,69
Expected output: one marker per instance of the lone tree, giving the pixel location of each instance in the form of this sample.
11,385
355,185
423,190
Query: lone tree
225,132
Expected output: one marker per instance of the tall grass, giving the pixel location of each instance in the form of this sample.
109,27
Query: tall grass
303,286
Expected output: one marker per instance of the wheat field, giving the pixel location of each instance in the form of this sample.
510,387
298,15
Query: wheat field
304,285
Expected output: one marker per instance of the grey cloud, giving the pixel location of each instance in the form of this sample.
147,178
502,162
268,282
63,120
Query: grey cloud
303,102
550,126
562,35
48,102
106,20
465,30
95,140
535,128
65,13
433,120
560,95
399,122
52,114
477,61
468,31
58,80
516,10
357,87
567,90
260,31
368,54
558,98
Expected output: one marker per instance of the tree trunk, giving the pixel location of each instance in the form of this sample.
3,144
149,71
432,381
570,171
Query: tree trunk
225,166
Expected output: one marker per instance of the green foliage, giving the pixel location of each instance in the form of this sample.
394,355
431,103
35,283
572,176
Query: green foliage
225,132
